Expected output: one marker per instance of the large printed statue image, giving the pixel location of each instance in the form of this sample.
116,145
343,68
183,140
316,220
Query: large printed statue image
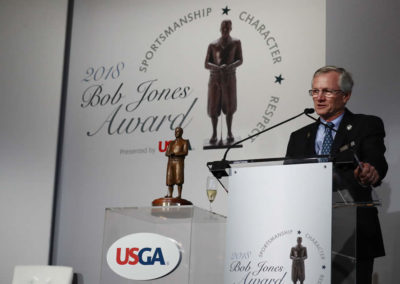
224,55
176,152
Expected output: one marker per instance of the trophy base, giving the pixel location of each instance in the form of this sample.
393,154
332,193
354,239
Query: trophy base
170,201
221,144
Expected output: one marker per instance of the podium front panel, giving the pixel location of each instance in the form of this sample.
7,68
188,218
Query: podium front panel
279,224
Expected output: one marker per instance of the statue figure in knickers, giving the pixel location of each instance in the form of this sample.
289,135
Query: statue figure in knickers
176,152
298,254
223,57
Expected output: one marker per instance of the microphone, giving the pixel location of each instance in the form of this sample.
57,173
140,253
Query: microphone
309,111
218,168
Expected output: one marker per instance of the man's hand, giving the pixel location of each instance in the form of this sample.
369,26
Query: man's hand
368,175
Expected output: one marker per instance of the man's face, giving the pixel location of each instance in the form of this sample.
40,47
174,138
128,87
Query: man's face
225,29
329,108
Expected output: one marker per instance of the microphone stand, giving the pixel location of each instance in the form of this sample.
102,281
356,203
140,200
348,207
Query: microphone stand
306,112
217,168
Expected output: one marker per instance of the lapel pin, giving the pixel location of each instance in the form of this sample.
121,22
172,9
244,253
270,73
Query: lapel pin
349,127
308,134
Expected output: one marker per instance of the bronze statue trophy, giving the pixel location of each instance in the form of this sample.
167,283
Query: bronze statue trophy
176,152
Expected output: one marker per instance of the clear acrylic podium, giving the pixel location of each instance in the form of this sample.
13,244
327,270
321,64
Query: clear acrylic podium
283,225
346,205
344,210
199,233
344,223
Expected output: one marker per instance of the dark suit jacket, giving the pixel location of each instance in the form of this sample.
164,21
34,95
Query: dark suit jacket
367,133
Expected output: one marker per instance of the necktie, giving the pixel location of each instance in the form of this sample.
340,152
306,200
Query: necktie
328,140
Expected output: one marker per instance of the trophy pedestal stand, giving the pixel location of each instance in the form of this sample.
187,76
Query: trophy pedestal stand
199,234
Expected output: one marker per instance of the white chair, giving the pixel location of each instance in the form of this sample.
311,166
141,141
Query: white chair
42,274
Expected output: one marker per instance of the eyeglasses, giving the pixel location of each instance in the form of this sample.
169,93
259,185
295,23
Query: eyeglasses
328,93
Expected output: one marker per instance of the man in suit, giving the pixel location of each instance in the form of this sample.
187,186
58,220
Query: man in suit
356,133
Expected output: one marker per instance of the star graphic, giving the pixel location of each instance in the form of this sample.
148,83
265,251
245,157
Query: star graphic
298,232
323,266
225,10
279,79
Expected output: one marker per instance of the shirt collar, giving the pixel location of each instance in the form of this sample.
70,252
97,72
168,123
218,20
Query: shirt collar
336,121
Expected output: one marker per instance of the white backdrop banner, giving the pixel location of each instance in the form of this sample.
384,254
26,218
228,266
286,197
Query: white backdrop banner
137,71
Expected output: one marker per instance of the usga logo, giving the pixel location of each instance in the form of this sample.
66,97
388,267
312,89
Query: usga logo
143,256
138,257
